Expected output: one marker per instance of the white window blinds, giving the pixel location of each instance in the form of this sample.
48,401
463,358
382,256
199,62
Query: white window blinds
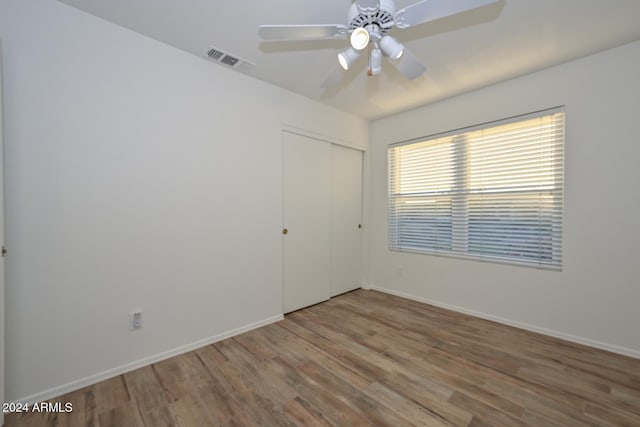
493,192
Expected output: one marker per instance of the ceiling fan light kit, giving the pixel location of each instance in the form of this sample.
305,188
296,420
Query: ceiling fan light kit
391,48
347,57
360,38
368,25
375,66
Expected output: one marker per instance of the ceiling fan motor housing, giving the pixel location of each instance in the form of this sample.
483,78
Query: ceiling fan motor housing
381,17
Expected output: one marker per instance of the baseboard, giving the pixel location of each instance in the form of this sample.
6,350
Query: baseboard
544,331
92,379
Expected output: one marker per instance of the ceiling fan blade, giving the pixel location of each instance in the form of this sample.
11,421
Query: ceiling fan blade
430,10
334,78
409,65
302,32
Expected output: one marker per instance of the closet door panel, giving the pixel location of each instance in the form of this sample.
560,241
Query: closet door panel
346,219
307,221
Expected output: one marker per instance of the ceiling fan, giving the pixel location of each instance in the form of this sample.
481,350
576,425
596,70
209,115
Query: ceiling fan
368,26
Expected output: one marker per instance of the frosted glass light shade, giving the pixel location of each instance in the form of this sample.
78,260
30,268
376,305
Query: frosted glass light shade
359,38
376,62
348,57
391,47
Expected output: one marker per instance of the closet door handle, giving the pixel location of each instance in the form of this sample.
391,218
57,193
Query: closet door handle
285,231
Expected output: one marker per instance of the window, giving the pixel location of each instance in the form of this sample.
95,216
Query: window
493,192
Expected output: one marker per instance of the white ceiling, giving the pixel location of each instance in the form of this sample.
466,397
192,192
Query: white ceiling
462,52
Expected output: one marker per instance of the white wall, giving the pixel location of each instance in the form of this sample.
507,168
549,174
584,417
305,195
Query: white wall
138,176
596,298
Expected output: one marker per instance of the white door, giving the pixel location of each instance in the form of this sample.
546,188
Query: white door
307,221
346,219
2,258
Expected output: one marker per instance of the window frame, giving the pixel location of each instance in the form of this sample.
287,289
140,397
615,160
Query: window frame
463,194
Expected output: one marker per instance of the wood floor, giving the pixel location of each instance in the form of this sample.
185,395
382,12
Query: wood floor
368,359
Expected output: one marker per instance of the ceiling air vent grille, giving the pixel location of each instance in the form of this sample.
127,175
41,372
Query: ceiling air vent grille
229,60
215,54
224,58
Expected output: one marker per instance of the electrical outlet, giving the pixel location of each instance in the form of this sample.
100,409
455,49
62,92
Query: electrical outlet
135,320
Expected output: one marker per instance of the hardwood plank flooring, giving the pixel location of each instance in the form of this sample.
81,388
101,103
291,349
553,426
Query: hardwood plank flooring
368,359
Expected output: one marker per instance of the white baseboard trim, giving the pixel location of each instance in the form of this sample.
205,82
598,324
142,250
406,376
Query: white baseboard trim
544,331
92,379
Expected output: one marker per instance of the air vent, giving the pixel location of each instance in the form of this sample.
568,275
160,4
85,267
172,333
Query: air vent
224,58
215,54
229,60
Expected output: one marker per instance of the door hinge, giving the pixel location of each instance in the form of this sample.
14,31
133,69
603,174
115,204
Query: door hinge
4,252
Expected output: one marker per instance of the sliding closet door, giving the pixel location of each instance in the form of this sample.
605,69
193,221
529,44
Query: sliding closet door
346,219
307,221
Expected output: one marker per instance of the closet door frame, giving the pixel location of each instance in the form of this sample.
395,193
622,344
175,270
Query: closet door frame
330,288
